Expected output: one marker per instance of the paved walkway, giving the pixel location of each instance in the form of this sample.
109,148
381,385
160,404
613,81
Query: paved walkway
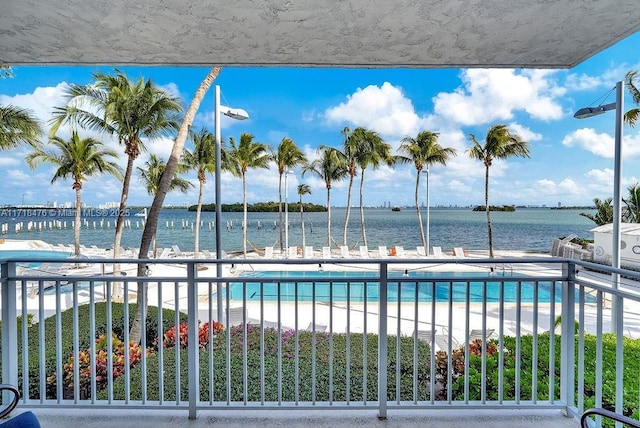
317,418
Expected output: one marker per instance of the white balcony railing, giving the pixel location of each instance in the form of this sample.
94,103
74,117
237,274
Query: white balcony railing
390,333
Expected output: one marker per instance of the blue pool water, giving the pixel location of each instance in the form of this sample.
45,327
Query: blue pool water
33,254
423,282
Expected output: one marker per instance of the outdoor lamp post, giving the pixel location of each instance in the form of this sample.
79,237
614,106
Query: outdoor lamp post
617,175
237,114
286,213
427,237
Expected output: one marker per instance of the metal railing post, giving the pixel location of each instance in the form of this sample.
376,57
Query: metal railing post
9,325
567,346
193,345
382,342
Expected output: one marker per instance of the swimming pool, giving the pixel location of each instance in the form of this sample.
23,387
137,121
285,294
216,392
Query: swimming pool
425,284
33,254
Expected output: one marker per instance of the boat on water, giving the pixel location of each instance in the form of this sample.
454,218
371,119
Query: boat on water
396,208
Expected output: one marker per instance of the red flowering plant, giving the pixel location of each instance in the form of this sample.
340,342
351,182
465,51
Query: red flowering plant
101,367
183,334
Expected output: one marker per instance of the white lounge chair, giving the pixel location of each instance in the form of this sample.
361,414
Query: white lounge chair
476,334
344,251
382,250
316,327
421,252
292,252
459,252
437,252
236,316
400,251
326,252
176,251
166,252
364,252
308,252
268,252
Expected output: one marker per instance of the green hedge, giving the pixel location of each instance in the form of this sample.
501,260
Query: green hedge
322,373
84,339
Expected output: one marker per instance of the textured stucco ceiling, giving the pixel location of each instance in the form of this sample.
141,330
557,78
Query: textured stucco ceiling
371,33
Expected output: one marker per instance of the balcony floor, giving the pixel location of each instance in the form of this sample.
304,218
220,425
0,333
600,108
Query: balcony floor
318,418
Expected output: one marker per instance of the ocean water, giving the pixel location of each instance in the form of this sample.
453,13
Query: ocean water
526,229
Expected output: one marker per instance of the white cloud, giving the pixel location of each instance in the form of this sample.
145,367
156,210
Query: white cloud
602,144
488,95
384,109
526,133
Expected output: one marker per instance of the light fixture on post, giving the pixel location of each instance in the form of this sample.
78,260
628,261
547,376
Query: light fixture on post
237,114
426,171
286,213
617,176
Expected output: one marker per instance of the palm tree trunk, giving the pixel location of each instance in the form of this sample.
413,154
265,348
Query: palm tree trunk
424,242
123,206
346,217
152,220
304,243
329,216
244,215
117,286
280,211
486,207
364,229
76,226
197,231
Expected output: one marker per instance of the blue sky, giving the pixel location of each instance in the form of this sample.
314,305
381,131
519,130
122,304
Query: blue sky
571,160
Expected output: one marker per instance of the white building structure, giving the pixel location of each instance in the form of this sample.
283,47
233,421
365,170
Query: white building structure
629,244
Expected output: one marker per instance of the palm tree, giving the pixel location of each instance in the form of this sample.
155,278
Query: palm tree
246,154
632,211
78,158
288,155
203,161
330,168
499,144
152,173
377,152
154,213
115,105
303,189
604,212
352,148
18,126
423,151
631,117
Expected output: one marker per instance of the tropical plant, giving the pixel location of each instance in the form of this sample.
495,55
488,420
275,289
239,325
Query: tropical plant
202,160
499,143
17,127
247,154
151,174
78,159
286,156
631,214
330,168
376,152
423,150
6,72
604,212
165,181
129,110
303,189
631,116
352,149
